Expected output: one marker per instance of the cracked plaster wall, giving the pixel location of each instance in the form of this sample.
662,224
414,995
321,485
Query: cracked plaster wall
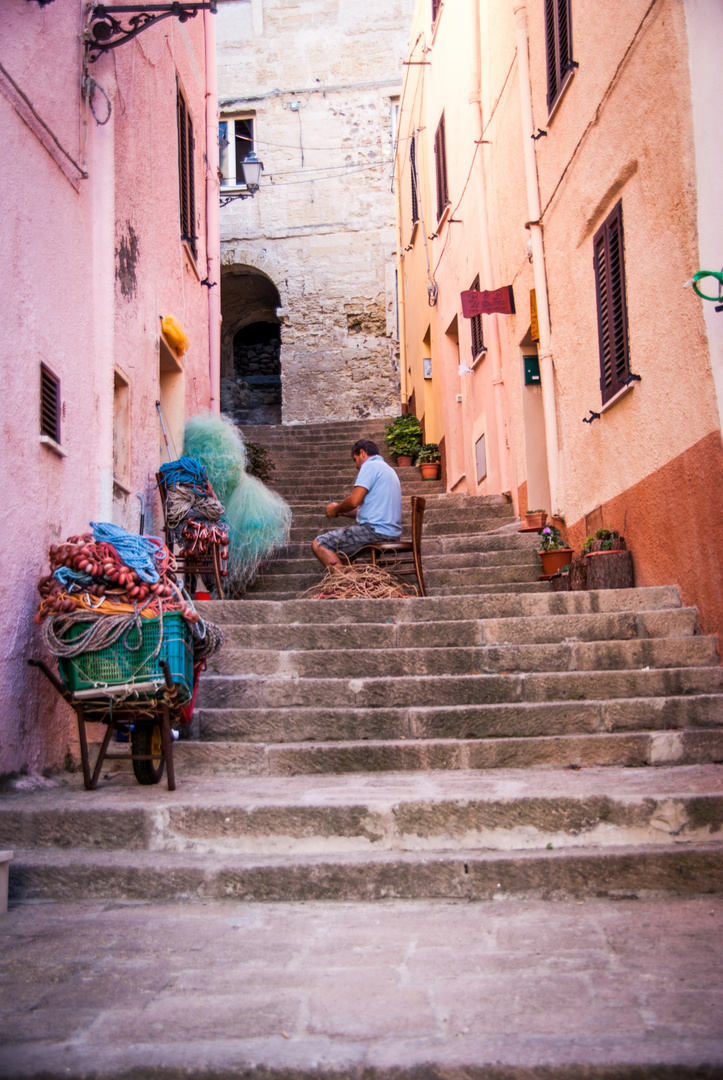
322,227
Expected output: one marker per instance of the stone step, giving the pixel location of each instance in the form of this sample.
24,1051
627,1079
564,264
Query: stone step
433,528
302,816
622,749
501,605
696,746
465,546
415,989
324,493
682,622
435,500
480,515
321,723
269,581
356,663
673,869
262,692
282,594
513,557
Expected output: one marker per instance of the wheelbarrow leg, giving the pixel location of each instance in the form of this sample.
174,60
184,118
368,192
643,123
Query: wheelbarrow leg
167,740
110,728
83,736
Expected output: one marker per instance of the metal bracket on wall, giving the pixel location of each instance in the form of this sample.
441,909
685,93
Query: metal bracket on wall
589,419
103,32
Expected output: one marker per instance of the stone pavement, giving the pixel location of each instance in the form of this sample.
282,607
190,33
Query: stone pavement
508,989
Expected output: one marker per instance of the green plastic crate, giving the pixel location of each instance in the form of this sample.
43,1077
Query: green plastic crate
118,665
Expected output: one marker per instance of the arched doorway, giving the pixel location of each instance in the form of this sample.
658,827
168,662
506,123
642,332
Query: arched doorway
250,347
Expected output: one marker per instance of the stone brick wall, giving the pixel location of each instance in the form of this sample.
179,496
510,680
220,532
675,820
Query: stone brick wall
320,81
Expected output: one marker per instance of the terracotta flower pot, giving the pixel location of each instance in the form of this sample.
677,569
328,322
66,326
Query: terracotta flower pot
552,561
430,470
404,461
536,521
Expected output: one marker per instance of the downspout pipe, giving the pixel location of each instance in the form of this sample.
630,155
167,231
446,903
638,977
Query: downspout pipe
495,340
213,225
547,369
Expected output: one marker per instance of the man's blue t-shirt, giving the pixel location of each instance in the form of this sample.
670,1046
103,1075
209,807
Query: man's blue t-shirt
382,506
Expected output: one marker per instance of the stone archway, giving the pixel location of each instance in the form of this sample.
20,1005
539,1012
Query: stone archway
250,346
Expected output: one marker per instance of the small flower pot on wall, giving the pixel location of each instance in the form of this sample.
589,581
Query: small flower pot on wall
535,520
430,470
552,561
403,461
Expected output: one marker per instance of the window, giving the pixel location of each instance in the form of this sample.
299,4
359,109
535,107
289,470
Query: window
609,262
49,404
185,174
440,168
121,431
413,173
478,344
235,140
558,43
436,5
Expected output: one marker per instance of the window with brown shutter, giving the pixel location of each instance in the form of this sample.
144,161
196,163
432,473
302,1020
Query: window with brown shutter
49,404
478,345
436,5
185,175
558,43
609,262
413,171
440,168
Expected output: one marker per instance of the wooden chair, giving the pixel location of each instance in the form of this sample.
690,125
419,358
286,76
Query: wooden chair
402,557
192,566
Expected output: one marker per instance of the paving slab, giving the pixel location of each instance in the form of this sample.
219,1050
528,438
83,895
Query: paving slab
435,990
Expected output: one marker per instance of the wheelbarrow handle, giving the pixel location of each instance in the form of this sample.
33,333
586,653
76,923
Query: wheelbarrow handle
50,676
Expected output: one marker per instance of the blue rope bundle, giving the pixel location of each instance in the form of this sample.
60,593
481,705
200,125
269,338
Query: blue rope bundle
136,551
186,470
69,578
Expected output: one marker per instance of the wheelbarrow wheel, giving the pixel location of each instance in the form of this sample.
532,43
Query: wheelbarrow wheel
146,739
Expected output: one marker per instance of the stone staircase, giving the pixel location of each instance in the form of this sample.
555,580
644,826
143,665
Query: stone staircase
492,741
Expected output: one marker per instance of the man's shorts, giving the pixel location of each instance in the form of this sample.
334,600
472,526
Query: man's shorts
351,539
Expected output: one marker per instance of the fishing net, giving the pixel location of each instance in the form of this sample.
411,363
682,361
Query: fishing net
258,519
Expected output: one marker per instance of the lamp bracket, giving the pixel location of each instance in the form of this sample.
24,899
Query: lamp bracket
226,199
104,32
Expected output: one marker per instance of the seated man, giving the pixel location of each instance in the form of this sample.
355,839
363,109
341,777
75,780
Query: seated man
375,502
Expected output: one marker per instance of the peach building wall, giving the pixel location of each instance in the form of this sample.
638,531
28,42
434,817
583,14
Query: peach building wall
63,304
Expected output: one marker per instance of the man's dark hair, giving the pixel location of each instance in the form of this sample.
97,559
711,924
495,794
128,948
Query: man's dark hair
367,446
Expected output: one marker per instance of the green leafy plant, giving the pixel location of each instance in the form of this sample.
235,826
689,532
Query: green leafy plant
429,454
260,463
609,541
551,539
403,436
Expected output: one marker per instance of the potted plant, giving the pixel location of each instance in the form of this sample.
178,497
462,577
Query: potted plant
404,438
554,553
609,563
535,519
429,459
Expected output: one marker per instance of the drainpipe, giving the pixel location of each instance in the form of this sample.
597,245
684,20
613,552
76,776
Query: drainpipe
495,343
213,226
547,370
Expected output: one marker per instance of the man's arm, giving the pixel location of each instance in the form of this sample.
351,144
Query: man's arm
349,505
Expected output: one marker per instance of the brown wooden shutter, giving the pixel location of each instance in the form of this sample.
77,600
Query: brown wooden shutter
49,404
186,179
413,170
609,263
558,45
440,168
436,5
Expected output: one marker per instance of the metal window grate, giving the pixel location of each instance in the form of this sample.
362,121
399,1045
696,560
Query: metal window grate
49,404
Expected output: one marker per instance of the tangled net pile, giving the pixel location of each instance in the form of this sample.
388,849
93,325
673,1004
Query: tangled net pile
258,519
360,581
108,580
193,513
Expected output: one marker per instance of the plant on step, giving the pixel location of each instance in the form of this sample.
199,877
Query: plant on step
429,454
260,462
403,436
604,540
551,539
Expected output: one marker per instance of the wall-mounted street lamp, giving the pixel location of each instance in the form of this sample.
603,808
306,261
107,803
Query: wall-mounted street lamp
104,32
252,169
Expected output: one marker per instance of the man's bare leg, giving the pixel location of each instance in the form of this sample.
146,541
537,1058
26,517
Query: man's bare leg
328,558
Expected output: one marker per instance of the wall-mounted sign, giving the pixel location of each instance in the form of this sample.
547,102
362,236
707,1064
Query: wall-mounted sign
534,325
490,302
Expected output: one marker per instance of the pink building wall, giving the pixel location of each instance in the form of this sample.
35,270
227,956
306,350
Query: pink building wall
82,298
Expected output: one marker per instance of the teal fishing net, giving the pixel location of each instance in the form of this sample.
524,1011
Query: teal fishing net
258,519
